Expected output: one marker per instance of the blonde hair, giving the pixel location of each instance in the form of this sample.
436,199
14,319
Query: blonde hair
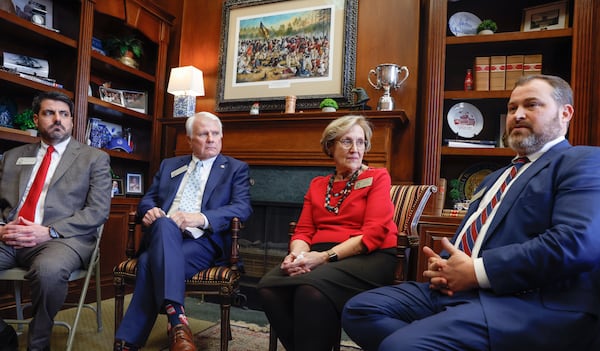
341,126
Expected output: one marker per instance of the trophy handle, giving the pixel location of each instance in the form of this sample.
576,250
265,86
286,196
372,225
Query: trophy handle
405,70
372,72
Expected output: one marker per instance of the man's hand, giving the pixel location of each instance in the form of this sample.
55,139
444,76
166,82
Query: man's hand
451,275
186,220
151,215
22,233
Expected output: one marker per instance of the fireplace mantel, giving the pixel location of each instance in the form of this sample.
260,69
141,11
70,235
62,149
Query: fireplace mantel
275,139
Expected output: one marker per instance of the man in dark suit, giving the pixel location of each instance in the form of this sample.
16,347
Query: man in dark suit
56,234
187,212
532,280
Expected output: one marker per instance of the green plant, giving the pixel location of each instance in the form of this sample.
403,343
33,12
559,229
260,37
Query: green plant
329,103
121,45
454,192
487,24
24,120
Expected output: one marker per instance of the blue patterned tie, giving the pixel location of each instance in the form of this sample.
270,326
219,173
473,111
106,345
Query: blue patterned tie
191,192
468,240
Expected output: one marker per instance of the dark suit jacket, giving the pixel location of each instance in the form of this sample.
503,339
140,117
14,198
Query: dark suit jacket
542,249
78,198
226,195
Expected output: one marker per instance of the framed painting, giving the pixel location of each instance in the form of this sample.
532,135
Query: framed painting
275,48
117,188
545,17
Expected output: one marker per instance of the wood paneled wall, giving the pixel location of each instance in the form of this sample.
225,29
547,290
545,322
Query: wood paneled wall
388,32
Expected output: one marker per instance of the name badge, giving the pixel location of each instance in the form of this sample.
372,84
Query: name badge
363,183
178,171
26,161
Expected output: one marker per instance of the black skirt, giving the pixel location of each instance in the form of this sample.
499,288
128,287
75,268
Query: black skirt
340,280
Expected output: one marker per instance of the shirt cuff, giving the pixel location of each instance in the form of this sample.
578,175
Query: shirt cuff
480,274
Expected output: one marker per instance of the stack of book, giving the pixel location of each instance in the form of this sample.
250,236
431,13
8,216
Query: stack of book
501,72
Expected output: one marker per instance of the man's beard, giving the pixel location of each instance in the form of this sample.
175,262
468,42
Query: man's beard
527,144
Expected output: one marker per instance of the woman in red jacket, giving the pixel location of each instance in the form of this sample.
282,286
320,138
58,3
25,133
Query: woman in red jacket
344,243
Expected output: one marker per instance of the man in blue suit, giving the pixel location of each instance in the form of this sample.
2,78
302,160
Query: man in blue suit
532,280
187,212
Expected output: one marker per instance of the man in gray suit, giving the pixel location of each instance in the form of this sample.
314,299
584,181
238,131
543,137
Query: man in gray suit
58,234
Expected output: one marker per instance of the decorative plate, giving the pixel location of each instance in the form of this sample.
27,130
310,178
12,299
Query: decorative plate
465,120
463,23
471,177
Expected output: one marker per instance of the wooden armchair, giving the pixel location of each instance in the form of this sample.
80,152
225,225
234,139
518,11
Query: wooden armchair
409,202
221,281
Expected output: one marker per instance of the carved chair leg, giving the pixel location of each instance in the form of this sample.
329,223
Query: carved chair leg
119,301
272,339
225,323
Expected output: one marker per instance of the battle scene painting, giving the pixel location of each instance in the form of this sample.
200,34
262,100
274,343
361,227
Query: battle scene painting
293,45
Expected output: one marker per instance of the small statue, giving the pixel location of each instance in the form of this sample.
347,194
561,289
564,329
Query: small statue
360,99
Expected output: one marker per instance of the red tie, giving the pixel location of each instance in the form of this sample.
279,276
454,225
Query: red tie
28,209
468,239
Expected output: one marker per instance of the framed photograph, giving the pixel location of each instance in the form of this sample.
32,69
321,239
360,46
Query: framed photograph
26,64
135,184
545,17
135,100
117,188
275,48
36,11
114,96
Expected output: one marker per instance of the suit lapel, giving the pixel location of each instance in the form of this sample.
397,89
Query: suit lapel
173,182
519,184
214,178
66,161
30,151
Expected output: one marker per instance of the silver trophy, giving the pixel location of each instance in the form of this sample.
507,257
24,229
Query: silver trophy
388,76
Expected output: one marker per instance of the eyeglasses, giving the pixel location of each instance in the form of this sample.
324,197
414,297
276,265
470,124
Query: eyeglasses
348,143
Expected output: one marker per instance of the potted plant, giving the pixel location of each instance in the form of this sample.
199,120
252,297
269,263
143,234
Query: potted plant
487,26
24,121
126,49
328,105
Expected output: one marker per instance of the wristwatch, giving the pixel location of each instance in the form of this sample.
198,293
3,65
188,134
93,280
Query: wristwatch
54,234
333,257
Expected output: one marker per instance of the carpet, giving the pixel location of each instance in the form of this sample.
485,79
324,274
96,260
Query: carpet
246,337
250,329
87,337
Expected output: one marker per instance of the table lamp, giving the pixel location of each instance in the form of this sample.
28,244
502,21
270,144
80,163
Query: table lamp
185,83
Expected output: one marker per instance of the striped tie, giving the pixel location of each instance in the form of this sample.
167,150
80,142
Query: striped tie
27,211
468,240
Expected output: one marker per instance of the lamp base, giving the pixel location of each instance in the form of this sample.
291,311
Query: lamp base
184,106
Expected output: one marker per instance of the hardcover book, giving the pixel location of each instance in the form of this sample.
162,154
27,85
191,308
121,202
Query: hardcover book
532,64
514,70
497,72
482,73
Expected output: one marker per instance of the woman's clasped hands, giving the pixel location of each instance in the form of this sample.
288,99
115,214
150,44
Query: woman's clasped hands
301,262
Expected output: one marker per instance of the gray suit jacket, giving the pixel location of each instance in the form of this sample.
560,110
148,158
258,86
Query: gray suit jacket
78,198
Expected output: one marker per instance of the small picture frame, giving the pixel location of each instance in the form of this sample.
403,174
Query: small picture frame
135,100
114,96
117,188
135,184
545,17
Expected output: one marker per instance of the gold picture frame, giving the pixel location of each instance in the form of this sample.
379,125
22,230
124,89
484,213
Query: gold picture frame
265,55
545,17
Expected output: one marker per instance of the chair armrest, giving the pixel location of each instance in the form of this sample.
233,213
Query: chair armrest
131,224
235,246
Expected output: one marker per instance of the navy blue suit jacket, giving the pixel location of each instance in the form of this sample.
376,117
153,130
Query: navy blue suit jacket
542,249
226,195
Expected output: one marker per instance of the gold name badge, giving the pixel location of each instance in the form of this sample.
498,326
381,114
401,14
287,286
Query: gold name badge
178,171
363,183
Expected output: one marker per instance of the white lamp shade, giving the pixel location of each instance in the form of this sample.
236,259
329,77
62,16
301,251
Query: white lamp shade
186,80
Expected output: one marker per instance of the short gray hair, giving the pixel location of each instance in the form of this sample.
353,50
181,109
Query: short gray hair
189,123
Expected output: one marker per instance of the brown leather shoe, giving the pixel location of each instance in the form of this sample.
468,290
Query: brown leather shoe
181,338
